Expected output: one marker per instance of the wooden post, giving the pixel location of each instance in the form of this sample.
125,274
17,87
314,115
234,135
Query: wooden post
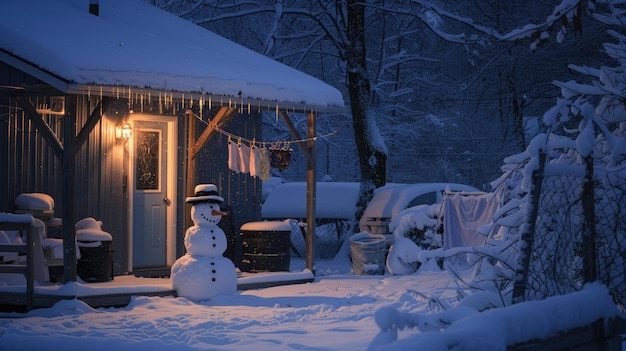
69,191
310,194
190,179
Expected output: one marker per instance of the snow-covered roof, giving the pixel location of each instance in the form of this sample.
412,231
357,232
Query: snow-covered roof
133,44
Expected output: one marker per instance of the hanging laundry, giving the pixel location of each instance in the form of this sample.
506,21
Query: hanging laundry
255,158
233,156
244,157
264,164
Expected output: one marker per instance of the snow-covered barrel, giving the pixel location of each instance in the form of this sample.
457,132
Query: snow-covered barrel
96,254
266,246
368,253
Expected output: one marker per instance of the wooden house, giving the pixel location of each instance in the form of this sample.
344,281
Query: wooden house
117,109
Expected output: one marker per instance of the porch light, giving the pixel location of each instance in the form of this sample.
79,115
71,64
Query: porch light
124,131
127,130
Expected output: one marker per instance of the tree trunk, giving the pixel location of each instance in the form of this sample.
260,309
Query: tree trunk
371,148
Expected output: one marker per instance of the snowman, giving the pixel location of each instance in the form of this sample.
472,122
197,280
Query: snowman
203,272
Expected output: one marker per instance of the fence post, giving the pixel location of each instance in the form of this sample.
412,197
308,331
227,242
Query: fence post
528,235
590,266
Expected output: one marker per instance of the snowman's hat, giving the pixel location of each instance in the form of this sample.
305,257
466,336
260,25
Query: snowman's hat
205,193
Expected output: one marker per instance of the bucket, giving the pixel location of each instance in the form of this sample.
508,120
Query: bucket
368,253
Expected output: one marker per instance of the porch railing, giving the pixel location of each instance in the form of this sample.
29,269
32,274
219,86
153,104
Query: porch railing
26,268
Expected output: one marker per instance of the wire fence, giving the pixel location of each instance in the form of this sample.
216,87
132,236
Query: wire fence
579,233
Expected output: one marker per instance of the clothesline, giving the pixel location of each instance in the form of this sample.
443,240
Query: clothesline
271,144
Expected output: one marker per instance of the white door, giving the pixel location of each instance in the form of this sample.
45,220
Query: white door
152,230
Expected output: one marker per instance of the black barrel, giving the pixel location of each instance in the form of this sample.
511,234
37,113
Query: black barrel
266,246
96,261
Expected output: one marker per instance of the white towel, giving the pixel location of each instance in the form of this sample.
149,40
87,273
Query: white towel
244,158
255,157
264,164
233,156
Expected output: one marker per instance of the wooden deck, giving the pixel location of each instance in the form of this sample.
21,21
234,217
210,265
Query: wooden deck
120,291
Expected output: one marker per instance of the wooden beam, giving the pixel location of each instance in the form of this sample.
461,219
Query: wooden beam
93,119
221,118
294,133
41,126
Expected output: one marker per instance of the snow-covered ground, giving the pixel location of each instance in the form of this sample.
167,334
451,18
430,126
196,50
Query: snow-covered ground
338,311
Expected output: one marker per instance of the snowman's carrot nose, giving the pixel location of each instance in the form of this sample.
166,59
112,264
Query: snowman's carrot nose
219,213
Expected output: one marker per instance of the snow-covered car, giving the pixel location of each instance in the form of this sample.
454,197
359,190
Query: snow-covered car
393,198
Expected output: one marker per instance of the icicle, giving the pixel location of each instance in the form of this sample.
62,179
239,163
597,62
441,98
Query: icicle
101,100
160,104
210,103
201,103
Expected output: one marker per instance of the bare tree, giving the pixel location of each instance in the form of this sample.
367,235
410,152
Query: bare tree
437,95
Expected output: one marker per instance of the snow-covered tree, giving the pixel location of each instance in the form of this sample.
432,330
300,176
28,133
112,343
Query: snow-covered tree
447,94
552,239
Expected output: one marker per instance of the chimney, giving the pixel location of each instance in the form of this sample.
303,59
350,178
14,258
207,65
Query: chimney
94,7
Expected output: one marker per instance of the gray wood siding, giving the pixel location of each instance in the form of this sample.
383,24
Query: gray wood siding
29,164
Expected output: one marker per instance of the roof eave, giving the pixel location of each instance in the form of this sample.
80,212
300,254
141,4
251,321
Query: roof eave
51,79
246,103
249,104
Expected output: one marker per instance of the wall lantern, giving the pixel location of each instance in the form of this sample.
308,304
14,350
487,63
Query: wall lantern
126,131
123,132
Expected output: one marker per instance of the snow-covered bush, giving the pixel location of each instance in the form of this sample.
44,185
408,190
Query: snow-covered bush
421,224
